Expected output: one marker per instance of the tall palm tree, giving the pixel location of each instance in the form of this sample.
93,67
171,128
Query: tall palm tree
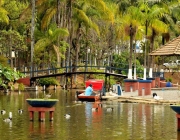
86,18
153,27
132,20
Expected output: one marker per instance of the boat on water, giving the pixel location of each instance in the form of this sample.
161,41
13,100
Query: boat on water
82,97
98,86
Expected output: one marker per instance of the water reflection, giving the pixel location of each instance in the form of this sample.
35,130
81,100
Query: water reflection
93,113
41,128
125,121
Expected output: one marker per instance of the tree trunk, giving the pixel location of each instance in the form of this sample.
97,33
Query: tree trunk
58,25
32,33
151,63
145,49
131,51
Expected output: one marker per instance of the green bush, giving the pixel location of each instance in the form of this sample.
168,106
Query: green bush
4,61
21,86
8,75
169,79
48,81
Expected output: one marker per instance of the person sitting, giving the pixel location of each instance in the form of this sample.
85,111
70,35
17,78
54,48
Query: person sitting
89,91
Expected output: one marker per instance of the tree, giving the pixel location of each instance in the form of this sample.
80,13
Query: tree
153,26
3,13
131,22
48,40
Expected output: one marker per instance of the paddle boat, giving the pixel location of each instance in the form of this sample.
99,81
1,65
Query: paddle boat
97,87
82,97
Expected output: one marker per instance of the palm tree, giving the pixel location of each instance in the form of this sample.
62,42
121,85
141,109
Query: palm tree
48,39
171,18
153,26
86,17
131,23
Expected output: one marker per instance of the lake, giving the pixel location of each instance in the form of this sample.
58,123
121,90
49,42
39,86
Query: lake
122,121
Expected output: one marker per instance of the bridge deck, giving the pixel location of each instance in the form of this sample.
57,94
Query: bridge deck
72,73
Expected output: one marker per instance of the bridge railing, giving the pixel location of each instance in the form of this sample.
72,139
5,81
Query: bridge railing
39,71
48,70
36,71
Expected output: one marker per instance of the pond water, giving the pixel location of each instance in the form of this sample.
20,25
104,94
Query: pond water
127,121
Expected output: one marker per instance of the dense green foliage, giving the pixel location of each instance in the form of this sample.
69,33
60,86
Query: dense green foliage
8,75
68,32
3,61
48,81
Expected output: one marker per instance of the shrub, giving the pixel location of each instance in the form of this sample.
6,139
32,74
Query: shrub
21,86
8,75
3,61
48,81
169,79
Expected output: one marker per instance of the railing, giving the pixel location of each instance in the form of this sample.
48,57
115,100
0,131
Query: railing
47,70
54,70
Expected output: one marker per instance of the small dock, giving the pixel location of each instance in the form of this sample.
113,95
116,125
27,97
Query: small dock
128,99
169,95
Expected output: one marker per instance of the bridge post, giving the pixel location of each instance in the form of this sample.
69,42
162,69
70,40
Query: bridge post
48,69
85,66
31,82
105,86
36,70
106,69
71,80
109,81
66,81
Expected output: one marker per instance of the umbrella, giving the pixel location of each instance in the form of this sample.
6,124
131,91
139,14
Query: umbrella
171,48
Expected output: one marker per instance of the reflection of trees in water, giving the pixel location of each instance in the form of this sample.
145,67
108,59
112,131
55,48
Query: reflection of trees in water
88,113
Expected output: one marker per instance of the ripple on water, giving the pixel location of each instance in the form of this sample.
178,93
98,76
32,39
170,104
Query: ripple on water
127,121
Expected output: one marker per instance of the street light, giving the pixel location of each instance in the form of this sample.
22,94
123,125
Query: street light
12,57
13,53
89,56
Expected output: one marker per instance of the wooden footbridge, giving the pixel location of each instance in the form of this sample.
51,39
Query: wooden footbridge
68,72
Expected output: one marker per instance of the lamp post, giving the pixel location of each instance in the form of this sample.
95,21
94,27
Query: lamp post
16,59
88,56
12,57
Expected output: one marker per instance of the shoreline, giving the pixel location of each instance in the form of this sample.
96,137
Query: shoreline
170,96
